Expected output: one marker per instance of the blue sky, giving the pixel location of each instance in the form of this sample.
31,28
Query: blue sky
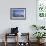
20,12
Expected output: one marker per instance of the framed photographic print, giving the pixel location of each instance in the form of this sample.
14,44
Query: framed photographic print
41,8
41,12
18,13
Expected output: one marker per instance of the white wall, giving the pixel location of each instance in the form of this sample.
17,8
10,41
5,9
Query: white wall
24,25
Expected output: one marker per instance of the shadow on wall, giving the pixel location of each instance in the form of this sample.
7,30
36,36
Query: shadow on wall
7,31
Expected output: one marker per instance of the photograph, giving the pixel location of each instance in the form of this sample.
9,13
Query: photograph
18,13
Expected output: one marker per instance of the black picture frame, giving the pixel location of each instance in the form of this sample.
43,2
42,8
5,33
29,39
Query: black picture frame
17,13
